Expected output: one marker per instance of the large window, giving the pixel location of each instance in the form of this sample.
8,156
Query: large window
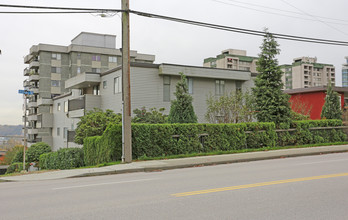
56,56
96,58
66,107
113,59
219,87
58,106
96,90
190,85
105,84
117,85
56,69
238,86
65,133
96,70
55,83
166,88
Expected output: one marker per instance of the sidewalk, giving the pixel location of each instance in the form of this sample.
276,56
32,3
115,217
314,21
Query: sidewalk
145,166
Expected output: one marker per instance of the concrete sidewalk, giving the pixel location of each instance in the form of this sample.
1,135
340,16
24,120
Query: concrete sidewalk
144,166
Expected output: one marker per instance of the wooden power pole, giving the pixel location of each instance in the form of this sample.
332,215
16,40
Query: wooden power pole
126,93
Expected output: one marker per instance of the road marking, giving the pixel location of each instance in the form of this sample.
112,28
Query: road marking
101,184
258,184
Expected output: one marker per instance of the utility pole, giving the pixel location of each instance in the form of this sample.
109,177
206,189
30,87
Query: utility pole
126,93
25,129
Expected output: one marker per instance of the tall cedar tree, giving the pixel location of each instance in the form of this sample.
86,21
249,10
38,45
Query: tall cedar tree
272,105
181,109
332,107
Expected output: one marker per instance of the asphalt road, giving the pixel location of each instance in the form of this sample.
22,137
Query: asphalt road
312,187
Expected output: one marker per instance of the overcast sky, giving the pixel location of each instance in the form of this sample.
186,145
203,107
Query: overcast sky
171,42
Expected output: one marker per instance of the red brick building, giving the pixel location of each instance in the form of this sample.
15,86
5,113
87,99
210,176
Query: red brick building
313,99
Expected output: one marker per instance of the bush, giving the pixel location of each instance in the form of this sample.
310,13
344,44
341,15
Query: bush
16,168
35,150
18,157
153,140
65,158
10,154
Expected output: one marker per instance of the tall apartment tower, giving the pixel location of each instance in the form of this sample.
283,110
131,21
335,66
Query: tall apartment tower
345,73
51,65
305,72
232,59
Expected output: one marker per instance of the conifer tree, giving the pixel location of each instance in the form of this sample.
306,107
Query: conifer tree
181,109
272,105
332,107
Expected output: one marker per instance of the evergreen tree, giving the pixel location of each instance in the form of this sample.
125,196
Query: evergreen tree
332,107
271,104
181,109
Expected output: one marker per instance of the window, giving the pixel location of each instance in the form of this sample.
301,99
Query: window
219,87
96,58
95,70
238,86
96,90
55,83
190,85
66,107
56,69
58,107
105,84
65,133
112,59
58,131
79,56
166,88
56,56
117,85
78,69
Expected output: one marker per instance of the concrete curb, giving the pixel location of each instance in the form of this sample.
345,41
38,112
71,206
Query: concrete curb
154,165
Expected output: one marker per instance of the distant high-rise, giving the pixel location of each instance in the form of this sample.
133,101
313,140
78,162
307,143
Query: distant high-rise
51,65
345,73
305,72
232,59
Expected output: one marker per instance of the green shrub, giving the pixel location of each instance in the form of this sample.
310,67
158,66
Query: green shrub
16,167
35,150
65,158
18,157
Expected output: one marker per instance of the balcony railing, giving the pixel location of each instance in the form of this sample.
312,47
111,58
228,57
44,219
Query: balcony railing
76,104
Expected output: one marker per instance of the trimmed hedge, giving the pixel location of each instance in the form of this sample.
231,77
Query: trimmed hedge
153,140
16,167
303,134
34,151
65,158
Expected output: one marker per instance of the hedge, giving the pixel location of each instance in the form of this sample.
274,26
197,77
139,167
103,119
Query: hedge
34,151
153,140
65,158
302,133
16,167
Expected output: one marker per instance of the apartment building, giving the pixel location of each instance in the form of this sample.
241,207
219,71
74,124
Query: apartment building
306,72
152,85
49,66
232,59
345,73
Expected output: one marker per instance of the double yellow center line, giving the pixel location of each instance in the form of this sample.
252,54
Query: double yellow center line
258,184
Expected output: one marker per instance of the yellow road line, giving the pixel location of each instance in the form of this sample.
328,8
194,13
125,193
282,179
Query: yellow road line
258,184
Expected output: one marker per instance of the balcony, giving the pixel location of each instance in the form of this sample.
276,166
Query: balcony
77,107
34,64
33,131
32,118
32,104
44,120
43,101
26,83
83,80
34,77
35,90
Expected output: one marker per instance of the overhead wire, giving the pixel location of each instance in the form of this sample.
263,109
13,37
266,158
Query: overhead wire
191,22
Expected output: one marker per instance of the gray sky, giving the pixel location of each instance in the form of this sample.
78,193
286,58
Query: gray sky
172,42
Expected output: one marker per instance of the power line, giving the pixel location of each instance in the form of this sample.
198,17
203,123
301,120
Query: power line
197,23
277,9
242,30
48,12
